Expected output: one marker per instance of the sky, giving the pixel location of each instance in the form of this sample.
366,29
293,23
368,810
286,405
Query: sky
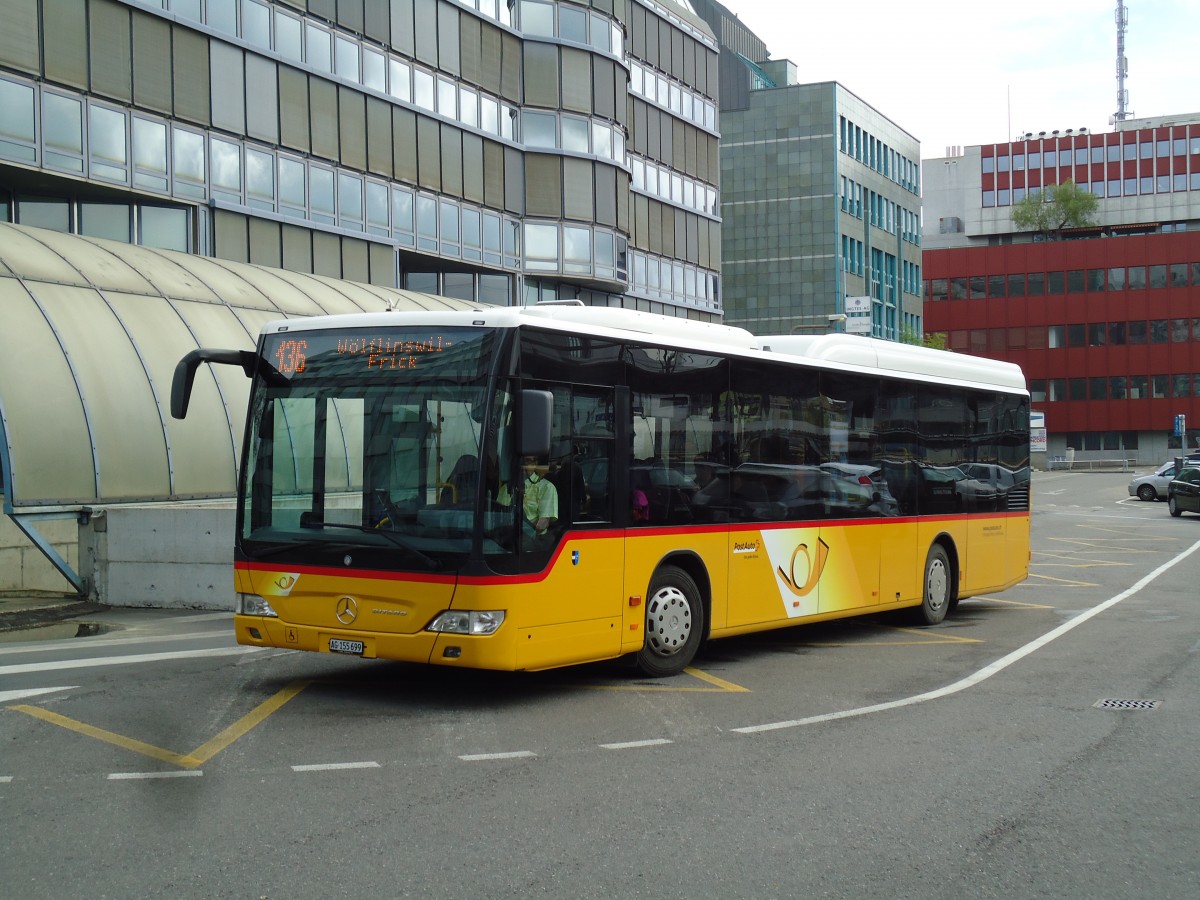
961,72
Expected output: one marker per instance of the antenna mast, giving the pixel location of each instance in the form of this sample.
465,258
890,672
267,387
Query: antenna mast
1123,112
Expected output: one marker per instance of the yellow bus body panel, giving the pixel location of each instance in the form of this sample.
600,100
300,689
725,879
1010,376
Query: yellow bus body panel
589,604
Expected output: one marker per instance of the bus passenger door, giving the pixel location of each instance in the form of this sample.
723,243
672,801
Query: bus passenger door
850,579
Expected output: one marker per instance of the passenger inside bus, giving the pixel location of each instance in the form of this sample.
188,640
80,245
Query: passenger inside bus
567,477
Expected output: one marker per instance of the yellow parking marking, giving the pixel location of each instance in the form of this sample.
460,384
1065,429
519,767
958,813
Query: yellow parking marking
197,757
1064,582
1019,604
926,638
109,737
718,686
721,683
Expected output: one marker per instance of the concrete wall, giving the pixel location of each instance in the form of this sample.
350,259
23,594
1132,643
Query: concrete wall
165,557
24,569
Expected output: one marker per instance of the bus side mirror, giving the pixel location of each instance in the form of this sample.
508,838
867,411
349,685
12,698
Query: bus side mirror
185,373
536,412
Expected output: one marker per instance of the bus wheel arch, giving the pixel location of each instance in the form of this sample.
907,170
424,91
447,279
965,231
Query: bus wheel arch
677,615
939,582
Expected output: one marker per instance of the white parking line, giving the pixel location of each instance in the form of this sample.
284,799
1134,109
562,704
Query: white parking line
5,779
481,757
97,661
93,643
327,767
987,671
629,745
5,696
144,776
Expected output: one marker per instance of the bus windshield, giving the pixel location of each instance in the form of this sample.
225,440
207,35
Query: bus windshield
365,447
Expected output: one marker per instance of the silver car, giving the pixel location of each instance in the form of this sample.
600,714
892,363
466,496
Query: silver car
1153,486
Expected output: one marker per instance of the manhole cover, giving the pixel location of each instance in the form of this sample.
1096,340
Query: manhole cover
1113,703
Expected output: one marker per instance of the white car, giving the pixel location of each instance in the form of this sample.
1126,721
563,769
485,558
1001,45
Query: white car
1154,486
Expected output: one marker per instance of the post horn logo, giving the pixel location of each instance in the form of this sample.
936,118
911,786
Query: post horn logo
813,567
346,610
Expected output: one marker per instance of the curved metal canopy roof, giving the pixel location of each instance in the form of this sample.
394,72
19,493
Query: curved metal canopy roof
91,332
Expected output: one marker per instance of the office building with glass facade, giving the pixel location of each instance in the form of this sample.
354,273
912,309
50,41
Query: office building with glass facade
494,152
820,197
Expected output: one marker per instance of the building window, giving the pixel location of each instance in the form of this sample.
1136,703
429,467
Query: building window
260,179
226,170
62,131
189,158
18,138
110,221
49,213
150,154
164,227
291,186
321,195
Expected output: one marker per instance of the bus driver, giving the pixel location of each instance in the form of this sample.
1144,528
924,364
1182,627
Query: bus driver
539,496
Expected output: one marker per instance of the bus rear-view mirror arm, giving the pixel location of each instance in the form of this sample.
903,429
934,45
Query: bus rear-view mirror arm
185,373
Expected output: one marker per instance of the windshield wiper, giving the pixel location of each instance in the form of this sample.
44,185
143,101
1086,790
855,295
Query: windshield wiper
396,539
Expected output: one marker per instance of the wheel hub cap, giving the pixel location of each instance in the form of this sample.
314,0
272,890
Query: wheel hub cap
668,622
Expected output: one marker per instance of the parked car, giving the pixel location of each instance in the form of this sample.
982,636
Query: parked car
884,504
950,489
760,492
1183,493
1010,485
1154,485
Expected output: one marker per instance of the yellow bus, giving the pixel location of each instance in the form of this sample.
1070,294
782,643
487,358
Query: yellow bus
524,488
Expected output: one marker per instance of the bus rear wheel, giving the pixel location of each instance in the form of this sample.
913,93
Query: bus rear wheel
674,623
937,593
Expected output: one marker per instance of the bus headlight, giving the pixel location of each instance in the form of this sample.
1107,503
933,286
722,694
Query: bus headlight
254,605
475,621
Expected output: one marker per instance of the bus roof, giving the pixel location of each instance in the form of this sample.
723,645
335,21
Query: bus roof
837,350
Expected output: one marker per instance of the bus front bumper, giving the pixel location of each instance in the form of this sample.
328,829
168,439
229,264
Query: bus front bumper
494,651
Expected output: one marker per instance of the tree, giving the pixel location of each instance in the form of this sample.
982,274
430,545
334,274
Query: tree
935,339
1054,208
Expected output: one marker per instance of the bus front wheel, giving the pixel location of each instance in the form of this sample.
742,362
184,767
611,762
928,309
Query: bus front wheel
938,587
674,623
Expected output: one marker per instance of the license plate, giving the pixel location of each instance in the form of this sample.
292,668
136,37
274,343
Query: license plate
339,646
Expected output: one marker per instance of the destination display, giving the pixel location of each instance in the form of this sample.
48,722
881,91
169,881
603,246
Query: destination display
343,353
